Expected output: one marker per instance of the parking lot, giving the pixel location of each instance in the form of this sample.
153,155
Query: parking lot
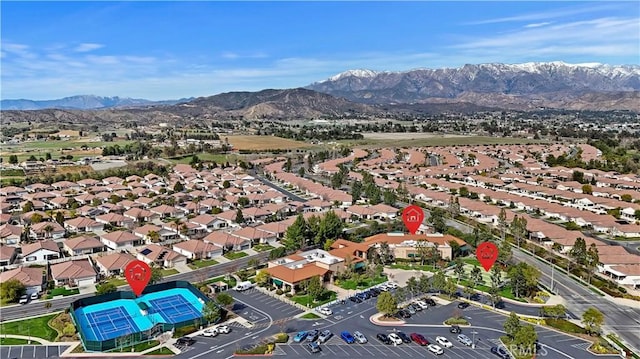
31,351
276,308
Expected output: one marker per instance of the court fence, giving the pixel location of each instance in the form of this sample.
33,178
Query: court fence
131,339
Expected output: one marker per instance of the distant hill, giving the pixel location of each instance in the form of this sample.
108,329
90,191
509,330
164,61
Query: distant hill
82,102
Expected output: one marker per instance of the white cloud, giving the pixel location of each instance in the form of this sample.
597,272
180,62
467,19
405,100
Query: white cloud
87,47
231,55
537,24
545,15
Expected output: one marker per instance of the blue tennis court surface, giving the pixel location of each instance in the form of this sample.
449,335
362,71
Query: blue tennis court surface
111,323
174,309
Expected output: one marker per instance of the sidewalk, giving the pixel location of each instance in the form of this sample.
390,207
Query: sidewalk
32,338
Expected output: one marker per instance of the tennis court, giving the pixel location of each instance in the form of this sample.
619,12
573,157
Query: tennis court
174,309
111,323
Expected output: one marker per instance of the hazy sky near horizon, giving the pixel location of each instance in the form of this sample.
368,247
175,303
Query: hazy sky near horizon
171,50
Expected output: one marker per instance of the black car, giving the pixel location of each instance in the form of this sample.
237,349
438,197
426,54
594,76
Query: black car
455,329
475,297
500,305
404,314
188,341
500,352
312,335
430,302
405,338
463,305
383,338
355,299
374,292
416,308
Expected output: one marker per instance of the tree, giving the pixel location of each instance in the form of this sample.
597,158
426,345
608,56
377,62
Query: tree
27,207
439,281
423,247
36,218
592,319
496,276
587,189
519,228
211,312
387,304
412,286
239,216
389,197
554,311
48,229
579,251
494,295
463,191
178,187
459,269
262,278
288,165
315,288
301,171
13,159
512,325
105,288
11,290
502,222
468,291
525,337
592,259
454,206
253,263
424,283
330,227
243,201
356,191
68,330
156,275
450,287
476,276
226,184
578,176
224,299
436,218
455,248
295,234
59,218
524,279
504,252
154,236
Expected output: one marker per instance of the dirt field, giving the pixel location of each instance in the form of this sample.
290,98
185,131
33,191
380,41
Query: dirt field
263,143
405,135
431,139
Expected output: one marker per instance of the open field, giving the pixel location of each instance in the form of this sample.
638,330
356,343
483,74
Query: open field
431,139
56,148
205,157
263,143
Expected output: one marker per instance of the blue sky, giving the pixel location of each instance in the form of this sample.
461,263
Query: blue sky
170,50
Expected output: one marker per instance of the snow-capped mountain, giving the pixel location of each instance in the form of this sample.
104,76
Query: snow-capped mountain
82,102
550,81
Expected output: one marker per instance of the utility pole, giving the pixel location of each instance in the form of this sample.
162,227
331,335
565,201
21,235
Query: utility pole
473,341
553,267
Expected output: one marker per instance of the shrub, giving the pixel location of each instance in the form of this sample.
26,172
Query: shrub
281,338
565,326
180,332
279,291
289,295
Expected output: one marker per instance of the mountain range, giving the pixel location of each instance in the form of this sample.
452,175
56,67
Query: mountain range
471,87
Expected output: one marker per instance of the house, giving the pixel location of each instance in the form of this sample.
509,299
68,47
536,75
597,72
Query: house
121,239
79,273
626,274
10,234
7,255
83,245
113,263
44,230
40,252
116,220
139,215
382,211
160,256
83,224
33,278
255,235
226,241
296,268
407,246
164,211
208,222
197,249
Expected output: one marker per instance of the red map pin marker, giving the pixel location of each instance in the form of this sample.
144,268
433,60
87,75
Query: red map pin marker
487,253
138,275
412,217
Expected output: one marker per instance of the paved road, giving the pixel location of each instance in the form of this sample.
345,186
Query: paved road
37,308
278,188
32,351
621,319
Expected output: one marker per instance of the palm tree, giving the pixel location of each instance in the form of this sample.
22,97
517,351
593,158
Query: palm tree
48,229
154,236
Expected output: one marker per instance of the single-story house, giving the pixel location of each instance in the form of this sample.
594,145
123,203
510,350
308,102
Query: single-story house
197,249
79,273
160,256
40,252
113,263
33,278
83,245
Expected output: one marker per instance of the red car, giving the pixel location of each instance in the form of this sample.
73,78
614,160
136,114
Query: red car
419,339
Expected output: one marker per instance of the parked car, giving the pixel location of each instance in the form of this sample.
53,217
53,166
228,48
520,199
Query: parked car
419,339
465,340
395,338
392,285
383,287
223,329
375,291
23,299
301,336
500,305
421,304
455,329
444,342
430,301
383,338
210,332
324,336
475,297
312,335
404,314
313,347
34,296
188,341
359,337
500,352
405,338
347,337
410,309
415,307
435,349
463,305
325,311
355,299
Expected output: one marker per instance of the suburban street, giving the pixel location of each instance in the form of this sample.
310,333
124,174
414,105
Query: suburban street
37,308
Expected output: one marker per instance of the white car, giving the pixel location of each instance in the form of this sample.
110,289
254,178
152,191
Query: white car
421,304
444,342
24,299
325,311
223,329
435,349
210,332
392,285
464,340
383,287
395,338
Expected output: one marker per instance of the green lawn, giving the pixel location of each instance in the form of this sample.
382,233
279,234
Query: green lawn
168,272
231,282
362,284
161,351
235,255
36,327
262,247
140,346
117,281
201,263
203,156
62,291
16,341
471,261
415,266
327,297
505,291
310,316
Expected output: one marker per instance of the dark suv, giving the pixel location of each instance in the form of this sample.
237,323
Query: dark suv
463,305
188,341
383,338
455,329
405,338
500,352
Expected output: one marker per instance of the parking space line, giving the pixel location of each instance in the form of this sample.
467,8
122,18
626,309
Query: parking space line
413,348
340,347
365,348
455,352
400,348
292,348
21,351
329,347
378,349
9,353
